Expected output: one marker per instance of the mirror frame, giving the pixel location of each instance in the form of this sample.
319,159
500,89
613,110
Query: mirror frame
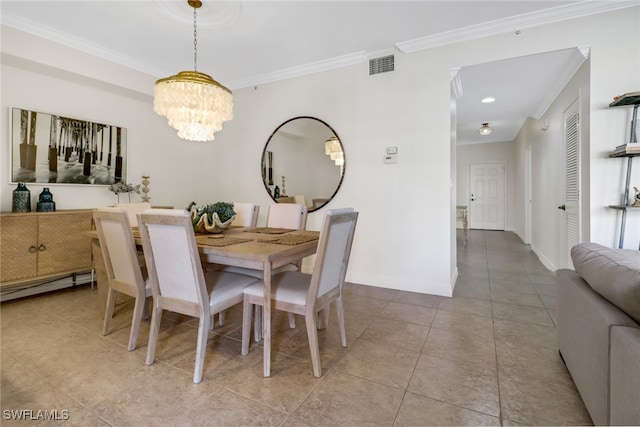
264,153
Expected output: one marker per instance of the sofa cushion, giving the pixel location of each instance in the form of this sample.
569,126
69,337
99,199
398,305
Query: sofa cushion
613,273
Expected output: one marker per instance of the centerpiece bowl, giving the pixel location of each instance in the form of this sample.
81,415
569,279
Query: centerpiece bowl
212,218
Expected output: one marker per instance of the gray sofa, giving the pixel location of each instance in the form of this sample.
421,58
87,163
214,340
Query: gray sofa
598,324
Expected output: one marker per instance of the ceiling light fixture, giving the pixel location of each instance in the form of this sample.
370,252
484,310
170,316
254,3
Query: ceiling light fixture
485,129
193,103
333,149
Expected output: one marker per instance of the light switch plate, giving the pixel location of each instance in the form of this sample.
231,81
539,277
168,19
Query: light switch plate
391,158
392,150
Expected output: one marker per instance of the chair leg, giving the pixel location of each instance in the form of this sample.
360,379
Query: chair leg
138,312
108,312
145,312
323,318
292,320
343,330
247,312
203,334
221,317
312,333
156,318
257,323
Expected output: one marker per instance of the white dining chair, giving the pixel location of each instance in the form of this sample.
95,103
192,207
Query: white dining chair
280,215
133,209
307,295
122,267
246,214
178,281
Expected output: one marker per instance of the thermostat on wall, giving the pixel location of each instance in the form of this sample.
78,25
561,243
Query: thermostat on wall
392,150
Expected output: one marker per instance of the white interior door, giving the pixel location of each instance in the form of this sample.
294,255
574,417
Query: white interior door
486,196
570,219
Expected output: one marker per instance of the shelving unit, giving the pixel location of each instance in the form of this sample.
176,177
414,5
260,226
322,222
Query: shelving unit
629,150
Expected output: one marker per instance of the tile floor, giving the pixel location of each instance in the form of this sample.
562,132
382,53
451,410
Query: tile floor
487,356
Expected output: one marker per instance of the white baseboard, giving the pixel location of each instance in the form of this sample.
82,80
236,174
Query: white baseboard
20,291
544,260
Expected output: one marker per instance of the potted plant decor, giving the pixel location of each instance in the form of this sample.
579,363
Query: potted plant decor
212,218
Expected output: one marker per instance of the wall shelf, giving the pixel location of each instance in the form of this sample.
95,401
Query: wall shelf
629,150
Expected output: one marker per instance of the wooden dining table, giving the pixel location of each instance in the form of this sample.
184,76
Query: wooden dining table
258,248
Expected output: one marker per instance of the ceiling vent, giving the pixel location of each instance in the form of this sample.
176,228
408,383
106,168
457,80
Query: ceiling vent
383,64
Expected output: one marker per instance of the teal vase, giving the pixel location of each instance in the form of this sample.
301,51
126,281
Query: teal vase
21,199
46,203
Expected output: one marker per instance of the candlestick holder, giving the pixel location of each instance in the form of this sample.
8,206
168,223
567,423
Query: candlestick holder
145,188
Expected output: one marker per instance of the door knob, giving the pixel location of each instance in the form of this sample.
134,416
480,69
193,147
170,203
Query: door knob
563,207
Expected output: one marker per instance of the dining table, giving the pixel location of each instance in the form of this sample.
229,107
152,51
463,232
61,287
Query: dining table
259,248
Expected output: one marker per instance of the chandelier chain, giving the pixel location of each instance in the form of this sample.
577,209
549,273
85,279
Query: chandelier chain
195,41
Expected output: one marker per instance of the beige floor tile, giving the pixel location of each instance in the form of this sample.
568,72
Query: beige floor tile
417,299
480,325
462,345
345,400
159,395
228,409
369,291
535,361
525,334
290,382
458,383
410,313
329,343
477,291
475,306
364,305
386,365
515,297
394,333
521,313
539,401
46,405
422,411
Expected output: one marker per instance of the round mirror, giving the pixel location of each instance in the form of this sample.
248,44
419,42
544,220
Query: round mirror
303,162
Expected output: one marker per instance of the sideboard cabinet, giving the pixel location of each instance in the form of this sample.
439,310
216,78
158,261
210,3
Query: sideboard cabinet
37,246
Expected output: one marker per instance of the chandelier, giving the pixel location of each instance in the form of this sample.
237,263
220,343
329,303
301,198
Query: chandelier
333,149
193,103
485,129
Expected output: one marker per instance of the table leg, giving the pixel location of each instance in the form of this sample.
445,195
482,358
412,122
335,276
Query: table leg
266,319
101,274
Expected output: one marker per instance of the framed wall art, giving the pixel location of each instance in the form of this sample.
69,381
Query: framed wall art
52,149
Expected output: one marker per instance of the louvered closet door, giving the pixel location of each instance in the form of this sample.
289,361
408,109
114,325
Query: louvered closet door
570,225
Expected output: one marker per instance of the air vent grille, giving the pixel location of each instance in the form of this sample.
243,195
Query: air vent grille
383,64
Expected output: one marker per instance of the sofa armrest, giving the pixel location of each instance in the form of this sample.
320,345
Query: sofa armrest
625,376
584,320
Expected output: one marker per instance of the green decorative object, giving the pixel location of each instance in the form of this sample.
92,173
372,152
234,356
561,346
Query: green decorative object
46,203
212,218
21,199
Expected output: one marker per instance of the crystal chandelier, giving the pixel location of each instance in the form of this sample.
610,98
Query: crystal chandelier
193,103
485,129
333,149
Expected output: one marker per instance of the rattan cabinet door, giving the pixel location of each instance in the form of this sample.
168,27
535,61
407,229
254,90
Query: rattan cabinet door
62,247
18,247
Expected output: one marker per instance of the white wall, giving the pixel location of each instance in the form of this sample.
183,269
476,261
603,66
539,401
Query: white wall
404,237
496,152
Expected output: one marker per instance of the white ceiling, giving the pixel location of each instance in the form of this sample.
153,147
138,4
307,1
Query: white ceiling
244,43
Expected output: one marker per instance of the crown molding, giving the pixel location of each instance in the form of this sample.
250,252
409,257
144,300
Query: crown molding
302,70
84,46
527,20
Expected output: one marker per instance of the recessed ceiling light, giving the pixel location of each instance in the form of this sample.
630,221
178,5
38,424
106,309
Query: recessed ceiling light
488,100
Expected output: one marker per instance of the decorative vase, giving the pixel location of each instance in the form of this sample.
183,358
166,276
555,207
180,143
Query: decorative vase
21,199
46,203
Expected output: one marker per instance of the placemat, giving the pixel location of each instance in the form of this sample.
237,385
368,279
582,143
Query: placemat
220,240
296,239
270,230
